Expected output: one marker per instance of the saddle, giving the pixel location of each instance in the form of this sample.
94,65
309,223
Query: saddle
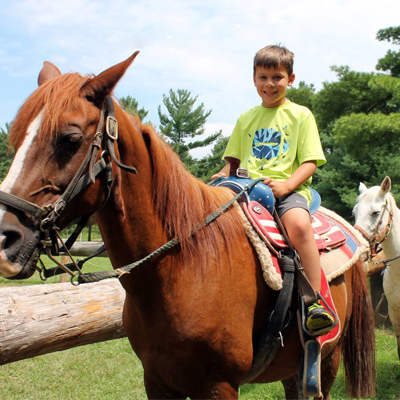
258,204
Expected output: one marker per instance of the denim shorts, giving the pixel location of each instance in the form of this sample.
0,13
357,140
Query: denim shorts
292,200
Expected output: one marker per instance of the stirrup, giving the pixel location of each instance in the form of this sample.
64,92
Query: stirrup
322,331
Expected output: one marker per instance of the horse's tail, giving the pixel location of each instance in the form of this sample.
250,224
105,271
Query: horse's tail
359,342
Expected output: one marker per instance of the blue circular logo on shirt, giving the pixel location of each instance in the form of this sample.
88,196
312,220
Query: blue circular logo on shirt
266,143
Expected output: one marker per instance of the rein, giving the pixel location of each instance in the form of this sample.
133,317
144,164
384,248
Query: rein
117,273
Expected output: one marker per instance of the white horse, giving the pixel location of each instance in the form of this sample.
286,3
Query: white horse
378,219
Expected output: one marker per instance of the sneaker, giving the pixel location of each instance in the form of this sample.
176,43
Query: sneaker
318,319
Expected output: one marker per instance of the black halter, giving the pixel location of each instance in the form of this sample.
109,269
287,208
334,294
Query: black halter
47,216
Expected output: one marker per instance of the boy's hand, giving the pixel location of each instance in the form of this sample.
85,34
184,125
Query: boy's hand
220,174
279,189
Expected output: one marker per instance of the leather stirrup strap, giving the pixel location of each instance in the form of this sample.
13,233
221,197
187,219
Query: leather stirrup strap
304,285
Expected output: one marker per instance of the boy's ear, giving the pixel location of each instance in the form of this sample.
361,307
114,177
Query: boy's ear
291,80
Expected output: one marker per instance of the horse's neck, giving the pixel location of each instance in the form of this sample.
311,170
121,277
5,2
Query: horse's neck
130,226
391,246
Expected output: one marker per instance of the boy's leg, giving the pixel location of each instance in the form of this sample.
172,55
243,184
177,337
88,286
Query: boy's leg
298,226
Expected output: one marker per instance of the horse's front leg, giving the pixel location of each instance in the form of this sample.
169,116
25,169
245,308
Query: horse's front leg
156,390
206,390
217,391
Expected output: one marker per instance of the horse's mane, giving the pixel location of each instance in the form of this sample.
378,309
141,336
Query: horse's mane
56,96
184,201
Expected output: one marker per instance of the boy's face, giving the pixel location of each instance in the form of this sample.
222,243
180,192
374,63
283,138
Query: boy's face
272,84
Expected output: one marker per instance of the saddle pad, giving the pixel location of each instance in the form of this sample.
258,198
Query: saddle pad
327,234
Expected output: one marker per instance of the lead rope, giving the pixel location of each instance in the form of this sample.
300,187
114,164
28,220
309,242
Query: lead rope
117,273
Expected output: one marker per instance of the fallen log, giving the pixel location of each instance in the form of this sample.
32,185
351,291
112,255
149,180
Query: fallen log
85,249
41,319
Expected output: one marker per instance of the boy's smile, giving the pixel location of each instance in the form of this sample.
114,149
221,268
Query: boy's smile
272,84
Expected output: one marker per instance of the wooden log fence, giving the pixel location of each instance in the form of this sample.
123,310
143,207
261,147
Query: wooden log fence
41,319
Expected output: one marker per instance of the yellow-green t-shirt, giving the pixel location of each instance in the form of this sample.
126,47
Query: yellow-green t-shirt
274,142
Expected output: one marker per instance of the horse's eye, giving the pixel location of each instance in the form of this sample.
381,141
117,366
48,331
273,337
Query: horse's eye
71,139
375,213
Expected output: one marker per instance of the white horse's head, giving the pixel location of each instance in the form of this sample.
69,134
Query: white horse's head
373,209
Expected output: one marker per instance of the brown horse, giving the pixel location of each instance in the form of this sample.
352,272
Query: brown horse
193,313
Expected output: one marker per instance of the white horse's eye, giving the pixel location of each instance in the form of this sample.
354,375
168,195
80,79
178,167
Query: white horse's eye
375,213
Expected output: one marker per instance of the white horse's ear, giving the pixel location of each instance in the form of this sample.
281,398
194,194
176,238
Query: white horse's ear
362,188
386,185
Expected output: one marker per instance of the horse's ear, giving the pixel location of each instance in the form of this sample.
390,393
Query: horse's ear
98,88
362,188
386,185
48,71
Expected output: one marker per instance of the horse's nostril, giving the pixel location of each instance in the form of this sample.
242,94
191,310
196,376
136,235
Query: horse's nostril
11,238
10,242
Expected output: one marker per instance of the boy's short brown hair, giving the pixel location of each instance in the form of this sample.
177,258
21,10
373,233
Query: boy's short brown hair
273,56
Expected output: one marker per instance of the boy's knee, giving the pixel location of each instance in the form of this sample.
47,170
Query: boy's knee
298,224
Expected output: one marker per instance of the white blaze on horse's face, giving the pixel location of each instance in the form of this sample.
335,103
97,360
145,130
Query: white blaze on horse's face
18,162
8,269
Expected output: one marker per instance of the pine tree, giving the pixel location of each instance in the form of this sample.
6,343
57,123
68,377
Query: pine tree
131,106
184,122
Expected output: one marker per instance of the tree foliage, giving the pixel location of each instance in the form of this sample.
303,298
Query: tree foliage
302,95
391,62
184,122
131,106
358,116
212,163
6,154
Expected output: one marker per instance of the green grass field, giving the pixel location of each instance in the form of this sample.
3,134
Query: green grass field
110,370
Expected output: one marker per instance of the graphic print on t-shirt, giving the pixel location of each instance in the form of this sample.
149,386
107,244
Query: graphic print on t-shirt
267,143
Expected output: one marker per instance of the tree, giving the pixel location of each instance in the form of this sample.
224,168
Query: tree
213,163
352,93
359,120
6,154
131,106
184,122
302,95
391,61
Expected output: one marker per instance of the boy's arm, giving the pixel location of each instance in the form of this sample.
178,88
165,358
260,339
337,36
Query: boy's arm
224,172
304,172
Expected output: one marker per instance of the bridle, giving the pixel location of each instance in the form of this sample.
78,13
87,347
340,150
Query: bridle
379,236
46,217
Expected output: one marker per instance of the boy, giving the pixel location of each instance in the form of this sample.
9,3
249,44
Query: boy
279,141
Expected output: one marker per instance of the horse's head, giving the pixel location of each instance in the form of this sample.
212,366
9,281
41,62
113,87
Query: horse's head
373,211
64,140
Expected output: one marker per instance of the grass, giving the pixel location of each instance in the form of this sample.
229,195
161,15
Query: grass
111,371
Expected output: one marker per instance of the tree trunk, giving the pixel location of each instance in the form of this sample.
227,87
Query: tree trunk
41,319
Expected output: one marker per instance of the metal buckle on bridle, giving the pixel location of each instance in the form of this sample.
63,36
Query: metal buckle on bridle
112,127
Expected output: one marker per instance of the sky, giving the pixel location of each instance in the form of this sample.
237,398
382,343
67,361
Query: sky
204,46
